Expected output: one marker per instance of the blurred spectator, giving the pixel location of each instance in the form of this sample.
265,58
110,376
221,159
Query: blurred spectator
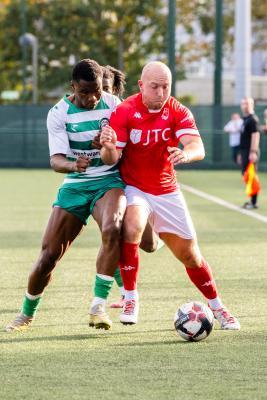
233,127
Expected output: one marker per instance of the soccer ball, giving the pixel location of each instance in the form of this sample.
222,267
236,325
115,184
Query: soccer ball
194,321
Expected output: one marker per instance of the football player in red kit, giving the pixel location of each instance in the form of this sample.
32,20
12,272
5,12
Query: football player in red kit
145,131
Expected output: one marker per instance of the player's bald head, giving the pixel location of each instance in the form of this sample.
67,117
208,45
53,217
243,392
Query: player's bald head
156,70
155,85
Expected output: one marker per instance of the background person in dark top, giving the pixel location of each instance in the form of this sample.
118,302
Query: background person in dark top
249,142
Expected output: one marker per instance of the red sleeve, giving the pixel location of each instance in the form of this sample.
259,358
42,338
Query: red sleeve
184,121
119,121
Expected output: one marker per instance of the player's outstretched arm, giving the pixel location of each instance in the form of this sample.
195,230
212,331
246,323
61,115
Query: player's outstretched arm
108,139
59,163
193,150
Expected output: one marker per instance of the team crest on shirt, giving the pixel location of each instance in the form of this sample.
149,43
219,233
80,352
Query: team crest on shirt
137,115
135,135
103,122
165,114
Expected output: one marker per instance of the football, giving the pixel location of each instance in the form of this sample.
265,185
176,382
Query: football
193,321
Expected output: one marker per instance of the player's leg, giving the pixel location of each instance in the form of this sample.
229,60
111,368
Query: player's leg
108,213
150,241
199,271
173,222
61,230
134,223
118,280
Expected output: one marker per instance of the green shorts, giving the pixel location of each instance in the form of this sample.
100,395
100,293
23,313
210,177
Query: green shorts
79,198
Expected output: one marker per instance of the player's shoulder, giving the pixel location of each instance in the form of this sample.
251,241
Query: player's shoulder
176,105
129,102
59,109
179,109
109,99
62,104
126,108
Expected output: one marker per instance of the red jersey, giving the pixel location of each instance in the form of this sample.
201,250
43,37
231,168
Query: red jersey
144,137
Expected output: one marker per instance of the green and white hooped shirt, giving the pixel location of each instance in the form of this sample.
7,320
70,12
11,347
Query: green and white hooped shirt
71,131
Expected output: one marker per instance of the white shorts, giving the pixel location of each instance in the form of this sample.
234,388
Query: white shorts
165,212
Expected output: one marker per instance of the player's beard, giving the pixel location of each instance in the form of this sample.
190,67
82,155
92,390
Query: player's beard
155,105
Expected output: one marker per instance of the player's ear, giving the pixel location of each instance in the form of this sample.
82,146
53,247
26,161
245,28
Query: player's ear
72,85
140,84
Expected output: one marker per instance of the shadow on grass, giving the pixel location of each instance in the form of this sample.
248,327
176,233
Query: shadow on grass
16,337
9,311
159,343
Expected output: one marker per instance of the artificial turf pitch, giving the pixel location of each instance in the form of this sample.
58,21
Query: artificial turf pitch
60,357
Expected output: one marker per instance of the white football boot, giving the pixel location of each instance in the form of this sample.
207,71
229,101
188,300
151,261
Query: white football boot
226,319
129,314
20,323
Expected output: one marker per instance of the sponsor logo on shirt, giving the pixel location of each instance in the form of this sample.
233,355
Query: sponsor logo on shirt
152,135
89,153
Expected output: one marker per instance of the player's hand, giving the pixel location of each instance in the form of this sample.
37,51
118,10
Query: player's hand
81,164
96,142
177,156
108,137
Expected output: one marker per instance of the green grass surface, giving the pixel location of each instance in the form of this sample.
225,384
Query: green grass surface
61,358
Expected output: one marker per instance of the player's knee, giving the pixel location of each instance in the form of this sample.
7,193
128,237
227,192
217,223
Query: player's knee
132,232
111,235
191,259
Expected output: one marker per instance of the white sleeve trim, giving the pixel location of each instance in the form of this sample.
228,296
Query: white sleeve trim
185,131
120,144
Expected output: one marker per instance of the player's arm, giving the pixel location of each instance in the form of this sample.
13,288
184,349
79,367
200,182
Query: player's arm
108,139
113,137
187,134
193,150
60,163
59,145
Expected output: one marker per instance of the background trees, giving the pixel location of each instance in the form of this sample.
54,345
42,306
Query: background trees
123,33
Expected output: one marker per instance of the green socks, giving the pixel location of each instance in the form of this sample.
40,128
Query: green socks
103,284
117,277
30,304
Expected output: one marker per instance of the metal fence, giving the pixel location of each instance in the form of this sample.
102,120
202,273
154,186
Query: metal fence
23,136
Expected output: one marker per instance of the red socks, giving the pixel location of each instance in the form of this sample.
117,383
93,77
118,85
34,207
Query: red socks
203,280
129,264
129,267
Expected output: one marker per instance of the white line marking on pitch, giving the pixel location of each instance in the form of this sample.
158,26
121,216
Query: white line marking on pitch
224,203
